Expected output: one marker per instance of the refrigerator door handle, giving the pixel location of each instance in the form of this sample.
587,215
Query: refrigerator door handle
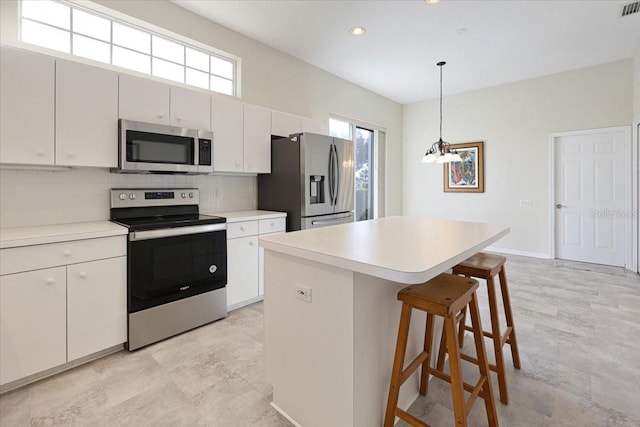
331,187
336,177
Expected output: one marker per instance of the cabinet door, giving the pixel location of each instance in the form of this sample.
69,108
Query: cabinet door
227,126
261,268
257,139
96,306
143,100
190,109
86,115
242,270
283,124
314,126
26,107
33,328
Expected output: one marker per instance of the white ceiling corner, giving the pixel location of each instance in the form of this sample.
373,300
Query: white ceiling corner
504,41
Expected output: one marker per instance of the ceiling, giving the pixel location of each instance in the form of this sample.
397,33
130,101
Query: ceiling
485,43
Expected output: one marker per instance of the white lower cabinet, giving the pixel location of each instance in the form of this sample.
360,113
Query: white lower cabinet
93,285
33,326
244,259
242,270
67,302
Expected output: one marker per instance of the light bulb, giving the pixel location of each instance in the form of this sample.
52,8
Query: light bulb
429,158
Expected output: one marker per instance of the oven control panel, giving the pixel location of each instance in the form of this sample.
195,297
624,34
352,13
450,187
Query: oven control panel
144,197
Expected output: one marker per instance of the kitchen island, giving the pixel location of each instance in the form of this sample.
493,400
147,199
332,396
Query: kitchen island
331,313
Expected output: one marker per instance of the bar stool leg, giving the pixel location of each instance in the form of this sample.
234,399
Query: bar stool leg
428,338
506,301
487,393
497,344
398,364
442,350
457,389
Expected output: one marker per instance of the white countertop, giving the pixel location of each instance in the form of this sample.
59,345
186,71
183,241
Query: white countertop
37,235
247,215
401,249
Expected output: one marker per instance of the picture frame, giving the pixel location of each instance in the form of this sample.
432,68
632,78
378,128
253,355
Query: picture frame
466,176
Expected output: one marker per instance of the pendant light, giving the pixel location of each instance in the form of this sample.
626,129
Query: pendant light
440,151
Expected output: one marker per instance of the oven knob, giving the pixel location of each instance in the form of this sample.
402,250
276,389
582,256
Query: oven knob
184,195
132,196
213,269
191,195
122,196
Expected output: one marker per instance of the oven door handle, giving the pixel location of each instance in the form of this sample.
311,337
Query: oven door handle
177,231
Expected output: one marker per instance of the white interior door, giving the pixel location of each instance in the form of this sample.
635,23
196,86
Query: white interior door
590,192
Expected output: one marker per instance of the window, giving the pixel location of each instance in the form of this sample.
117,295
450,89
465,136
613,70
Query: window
364,154
82,32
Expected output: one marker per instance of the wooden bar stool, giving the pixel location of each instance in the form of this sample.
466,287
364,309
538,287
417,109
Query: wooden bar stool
445,295
487,266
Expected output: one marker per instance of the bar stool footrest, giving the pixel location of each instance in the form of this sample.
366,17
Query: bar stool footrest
403,415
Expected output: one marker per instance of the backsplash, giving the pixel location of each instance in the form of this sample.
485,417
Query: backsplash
38,197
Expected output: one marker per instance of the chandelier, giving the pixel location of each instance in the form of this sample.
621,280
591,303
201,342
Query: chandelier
440,151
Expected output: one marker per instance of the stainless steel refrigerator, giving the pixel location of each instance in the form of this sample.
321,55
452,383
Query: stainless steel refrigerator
311,179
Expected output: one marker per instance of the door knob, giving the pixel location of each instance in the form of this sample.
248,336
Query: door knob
559,206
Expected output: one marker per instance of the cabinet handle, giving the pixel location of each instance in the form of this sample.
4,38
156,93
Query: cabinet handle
272,224
237,164
66,253
179,119
70,155
83,274
250,243
50,281
40,152
160,116
241,228
250,165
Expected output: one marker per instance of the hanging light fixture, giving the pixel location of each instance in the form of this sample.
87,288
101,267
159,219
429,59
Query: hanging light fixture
440,151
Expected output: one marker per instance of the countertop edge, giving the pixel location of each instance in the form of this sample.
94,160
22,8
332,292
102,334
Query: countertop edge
374,270
253,215
32,238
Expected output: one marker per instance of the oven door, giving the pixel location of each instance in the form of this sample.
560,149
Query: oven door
167,265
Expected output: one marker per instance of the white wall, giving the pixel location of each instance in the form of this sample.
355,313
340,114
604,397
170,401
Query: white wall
269,78
514,120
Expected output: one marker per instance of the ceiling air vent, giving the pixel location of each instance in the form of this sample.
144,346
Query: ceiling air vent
630,8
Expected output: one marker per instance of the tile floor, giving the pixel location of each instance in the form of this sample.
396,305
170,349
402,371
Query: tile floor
578,328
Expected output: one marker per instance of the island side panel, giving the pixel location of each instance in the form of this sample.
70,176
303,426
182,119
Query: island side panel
309,346
376,321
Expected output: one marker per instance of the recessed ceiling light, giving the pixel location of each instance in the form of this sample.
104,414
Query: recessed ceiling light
357,31
432,1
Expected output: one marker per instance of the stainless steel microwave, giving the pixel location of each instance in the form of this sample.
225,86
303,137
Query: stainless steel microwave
153,148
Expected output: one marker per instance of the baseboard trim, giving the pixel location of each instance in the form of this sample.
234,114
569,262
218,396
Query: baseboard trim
284,414
517,252
56,370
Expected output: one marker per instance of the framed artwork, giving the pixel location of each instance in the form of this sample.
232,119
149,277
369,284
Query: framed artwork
466,176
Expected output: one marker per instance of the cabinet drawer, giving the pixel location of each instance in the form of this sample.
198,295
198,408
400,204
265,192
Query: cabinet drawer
242,229
25,258
272,225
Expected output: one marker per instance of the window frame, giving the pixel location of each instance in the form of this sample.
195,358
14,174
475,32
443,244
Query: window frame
116,17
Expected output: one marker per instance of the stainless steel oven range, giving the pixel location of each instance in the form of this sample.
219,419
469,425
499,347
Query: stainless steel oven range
176,262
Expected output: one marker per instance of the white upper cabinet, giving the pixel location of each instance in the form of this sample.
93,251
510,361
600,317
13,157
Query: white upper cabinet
227,126
313,126
26,107
144,100
257,139
283,124
190,109
86,115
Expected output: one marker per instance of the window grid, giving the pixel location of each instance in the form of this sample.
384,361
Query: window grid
211,73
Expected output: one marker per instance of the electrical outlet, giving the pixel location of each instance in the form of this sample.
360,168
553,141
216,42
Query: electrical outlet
303,293
525,203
